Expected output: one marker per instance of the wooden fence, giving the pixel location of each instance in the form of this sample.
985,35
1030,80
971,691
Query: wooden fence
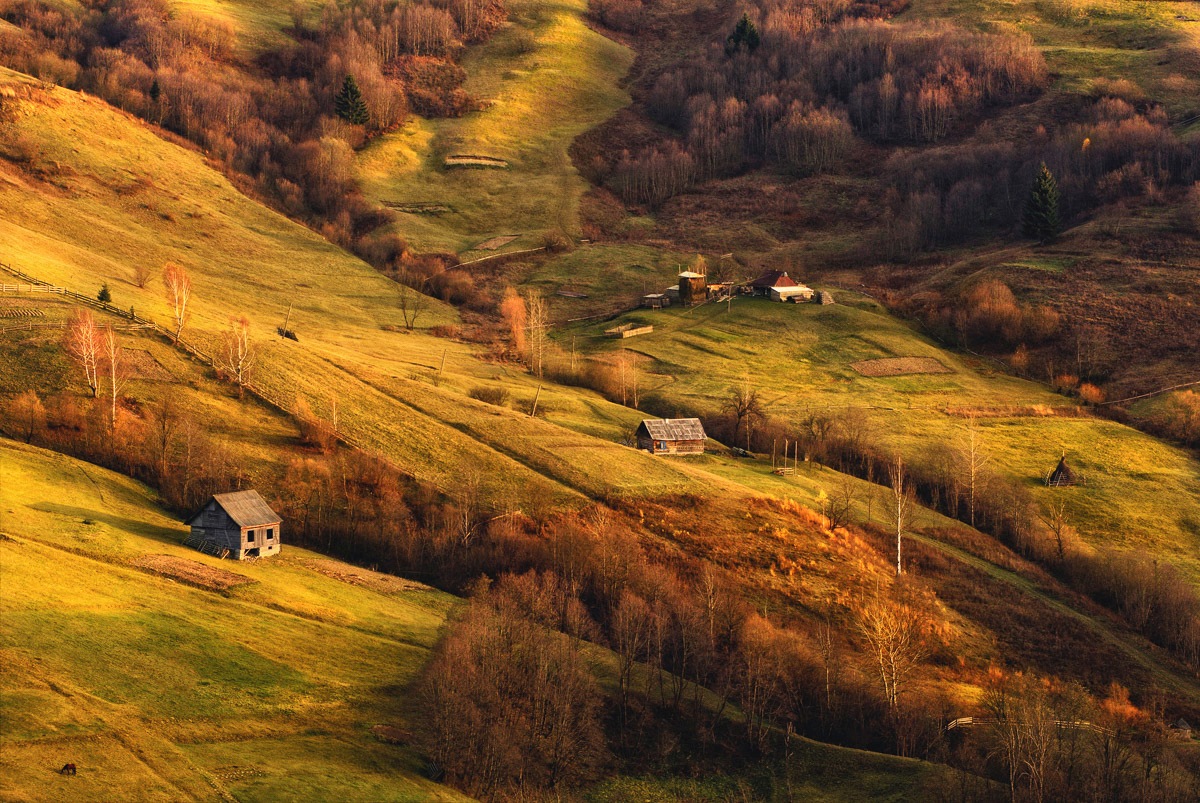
1065,724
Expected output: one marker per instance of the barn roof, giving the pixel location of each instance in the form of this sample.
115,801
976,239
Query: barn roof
674,429
774,278
690,274
246,508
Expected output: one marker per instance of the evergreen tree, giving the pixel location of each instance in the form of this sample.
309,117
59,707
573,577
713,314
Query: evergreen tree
349,103
1041,220
104,295
745,34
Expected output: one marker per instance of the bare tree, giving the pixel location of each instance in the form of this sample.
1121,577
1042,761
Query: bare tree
164,420
1024,733
115,369
142,274
744,405
974,462
27,414
238,354
516,317
83,344
893,633
840,504
177,285
413,302
1055,519
901,505
539,331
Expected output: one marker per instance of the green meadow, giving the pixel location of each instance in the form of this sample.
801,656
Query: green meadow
544,79
161,690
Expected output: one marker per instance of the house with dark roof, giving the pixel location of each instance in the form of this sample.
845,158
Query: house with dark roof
671,436
239,525
771,280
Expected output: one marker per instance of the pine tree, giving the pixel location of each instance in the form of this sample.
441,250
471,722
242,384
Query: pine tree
745,34
349,103
1041,220
105,294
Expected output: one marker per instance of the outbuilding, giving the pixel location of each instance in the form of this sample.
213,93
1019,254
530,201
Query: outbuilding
794,294
671,436
239,525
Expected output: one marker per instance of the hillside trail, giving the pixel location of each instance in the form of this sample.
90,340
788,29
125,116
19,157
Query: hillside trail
1186,688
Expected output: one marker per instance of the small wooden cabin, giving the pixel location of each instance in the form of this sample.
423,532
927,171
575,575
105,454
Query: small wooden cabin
239,525
1181,730
671,436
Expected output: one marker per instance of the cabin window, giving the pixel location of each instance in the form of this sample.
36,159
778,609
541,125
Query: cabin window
662,444
270,534
250,536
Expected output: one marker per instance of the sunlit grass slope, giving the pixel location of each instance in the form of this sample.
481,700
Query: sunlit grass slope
538,100
158,690
1140,494
113,196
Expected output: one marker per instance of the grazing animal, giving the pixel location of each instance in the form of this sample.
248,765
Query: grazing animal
68,769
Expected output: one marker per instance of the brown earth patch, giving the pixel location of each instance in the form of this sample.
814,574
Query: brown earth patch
191,572
496,242
390,734
365,578
146,367
900,366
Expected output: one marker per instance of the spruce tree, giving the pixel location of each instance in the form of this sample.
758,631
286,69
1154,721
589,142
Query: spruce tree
1041,220
349,103
105,294
745,34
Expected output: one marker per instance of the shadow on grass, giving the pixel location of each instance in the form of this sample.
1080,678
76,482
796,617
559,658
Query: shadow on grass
134,526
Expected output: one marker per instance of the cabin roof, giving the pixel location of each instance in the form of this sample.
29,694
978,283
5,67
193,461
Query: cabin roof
774,278
690,274
674,429
246,508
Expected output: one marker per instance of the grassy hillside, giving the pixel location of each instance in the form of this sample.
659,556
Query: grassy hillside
545,79
165,674
1140,494
102,194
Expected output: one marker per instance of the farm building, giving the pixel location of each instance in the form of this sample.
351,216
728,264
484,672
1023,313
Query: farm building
1181,730
655,301
795,294
671,436
692,288
771,280
239,524
1063,475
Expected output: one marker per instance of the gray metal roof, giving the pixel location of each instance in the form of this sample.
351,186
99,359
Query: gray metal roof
674,429
247,508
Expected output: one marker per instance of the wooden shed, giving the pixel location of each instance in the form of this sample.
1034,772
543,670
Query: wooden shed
671,436
239,525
